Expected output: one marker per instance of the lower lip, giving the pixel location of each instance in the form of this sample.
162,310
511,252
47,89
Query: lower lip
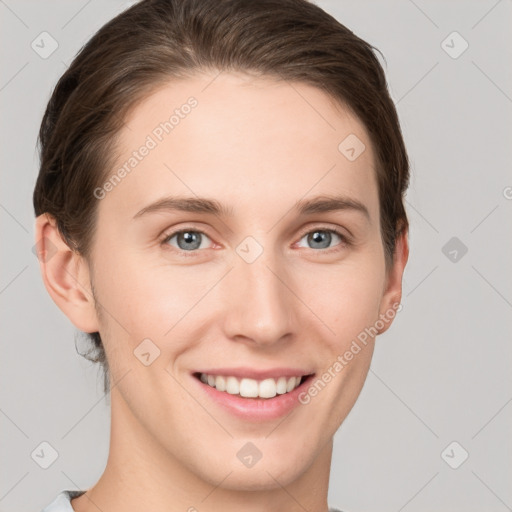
256,409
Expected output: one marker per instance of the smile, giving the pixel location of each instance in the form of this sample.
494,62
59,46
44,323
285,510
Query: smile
253,395
251,388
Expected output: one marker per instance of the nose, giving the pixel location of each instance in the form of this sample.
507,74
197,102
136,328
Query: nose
261,309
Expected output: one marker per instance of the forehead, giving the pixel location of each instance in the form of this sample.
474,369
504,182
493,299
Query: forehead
248,140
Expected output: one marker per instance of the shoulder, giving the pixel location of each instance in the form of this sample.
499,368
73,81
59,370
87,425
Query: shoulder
62,503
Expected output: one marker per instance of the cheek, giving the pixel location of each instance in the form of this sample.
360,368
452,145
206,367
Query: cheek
346,298
152,300
136,291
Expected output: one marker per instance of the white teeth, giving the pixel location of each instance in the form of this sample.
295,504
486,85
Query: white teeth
267,388
220,383
232,386
291,384
251,388
281,386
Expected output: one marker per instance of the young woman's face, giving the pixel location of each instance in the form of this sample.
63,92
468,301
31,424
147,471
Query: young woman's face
260,292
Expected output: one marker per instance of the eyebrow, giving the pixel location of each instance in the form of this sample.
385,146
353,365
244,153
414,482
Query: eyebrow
319,204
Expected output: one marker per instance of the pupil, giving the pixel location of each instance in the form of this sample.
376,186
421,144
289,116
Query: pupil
190,237
317,237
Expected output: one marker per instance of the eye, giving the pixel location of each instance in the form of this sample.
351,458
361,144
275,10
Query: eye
321,238
187,239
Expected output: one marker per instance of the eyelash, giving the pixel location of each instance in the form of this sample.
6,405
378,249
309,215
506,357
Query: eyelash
345,241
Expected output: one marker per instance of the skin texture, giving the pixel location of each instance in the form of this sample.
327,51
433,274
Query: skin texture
257,146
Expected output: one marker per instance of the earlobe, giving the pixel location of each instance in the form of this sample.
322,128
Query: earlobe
65,275
390,303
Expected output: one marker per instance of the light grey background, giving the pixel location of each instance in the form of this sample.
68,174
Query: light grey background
442,372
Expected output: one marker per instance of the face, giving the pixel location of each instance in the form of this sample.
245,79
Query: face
262,280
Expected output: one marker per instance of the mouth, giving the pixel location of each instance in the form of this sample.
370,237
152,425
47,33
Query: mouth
254,396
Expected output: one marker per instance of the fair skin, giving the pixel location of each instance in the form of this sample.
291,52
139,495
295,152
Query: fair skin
256,146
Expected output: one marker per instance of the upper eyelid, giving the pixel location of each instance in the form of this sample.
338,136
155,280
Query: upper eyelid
166,235
338,230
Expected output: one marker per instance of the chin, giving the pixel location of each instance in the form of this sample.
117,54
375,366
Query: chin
263,479
270,472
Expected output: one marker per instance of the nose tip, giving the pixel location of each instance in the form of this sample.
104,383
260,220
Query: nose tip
260,307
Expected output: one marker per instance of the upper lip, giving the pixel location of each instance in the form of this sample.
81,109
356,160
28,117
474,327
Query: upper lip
251,373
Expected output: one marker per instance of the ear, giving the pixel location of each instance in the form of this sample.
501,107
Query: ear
65,275
393,288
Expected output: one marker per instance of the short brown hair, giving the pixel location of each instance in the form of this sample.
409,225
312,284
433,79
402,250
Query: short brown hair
157,40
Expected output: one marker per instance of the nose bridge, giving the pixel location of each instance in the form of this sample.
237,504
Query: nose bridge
260,305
